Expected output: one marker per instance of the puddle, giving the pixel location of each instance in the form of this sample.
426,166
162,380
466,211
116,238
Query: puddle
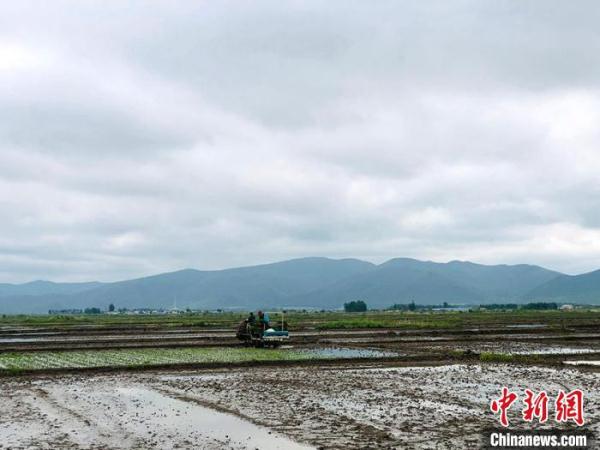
386,339
194,376
524,348
528,325
185,418
555,351
582,363
18,340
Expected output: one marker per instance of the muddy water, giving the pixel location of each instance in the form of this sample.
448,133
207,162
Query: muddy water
555,351
582,363
350,407
19,339
118,414
182,417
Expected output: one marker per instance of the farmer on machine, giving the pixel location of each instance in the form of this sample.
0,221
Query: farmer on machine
256,330
263,320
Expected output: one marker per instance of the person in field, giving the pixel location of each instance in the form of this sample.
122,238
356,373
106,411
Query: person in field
263,320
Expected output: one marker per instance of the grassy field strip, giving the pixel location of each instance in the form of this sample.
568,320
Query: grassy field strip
144,357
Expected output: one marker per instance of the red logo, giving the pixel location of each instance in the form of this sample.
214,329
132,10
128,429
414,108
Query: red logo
502,404
568,406
535,406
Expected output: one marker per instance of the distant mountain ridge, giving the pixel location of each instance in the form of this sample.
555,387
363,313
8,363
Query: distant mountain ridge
402,280
313,282
42,287
584,288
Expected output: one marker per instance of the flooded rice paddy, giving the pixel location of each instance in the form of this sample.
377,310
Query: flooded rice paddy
347,406
350,389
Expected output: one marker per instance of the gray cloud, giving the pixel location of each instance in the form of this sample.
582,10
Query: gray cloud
139,138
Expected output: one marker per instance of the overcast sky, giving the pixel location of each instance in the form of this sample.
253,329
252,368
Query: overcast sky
142,137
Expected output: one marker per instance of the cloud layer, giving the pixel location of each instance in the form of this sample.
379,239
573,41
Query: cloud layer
137,138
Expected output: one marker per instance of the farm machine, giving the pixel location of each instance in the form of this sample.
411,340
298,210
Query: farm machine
260,333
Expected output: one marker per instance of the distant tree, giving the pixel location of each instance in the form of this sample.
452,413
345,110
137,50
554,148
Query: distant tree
400,307
446,305
541,305
500,306
412,306
355,306
92,311
111,307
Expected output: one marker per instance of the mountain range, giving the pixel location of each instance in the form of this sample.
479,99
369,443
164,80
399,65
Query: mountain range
312,283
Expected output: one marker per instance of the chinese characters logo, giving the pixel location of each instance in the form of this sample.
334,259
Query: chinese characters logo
567,406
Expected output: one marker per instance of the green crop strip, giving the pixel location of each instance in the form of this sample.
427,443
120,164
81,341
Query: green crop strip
12,362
